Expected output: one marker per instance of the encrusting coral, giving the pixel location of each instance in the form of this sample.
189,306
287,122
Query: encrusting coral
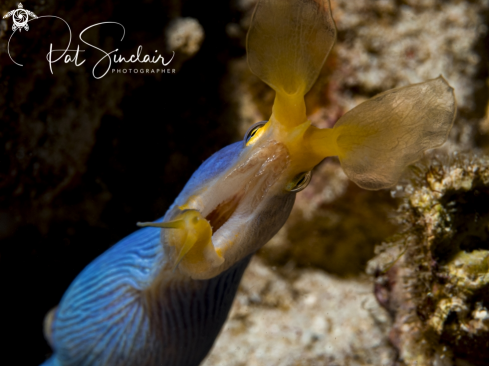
434,277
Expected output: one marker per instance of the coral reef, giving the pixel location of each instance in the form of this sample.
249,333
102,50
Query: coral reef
434,276
392,43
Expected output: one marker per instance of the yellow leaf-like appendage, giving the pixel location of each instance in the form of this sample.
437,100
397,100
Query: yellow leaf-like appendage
379,138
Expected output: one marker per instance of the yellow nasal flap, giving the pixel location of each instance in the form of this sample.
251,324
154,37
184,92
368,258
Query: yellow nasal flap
379,138
287,45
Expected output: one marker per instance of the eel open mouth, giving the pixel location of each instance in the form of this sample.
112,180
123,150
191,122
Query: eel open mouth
214,220
231,201
224,210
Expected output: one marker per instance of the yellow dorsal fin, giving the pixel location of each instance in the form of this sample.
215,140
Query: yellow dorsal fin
287,45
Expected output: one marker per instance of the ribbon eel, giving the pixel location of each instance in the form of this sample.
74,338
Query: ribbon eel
161,295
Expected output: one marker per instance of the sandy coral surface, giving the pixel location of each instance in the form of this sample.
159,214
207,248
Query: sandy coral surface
311,318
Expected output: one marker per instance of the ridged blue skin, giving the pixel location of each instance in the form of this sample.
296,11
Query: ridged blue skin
105,318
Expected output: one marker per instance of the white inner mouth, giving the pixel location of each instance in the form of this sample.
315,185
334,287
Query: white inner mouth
230,202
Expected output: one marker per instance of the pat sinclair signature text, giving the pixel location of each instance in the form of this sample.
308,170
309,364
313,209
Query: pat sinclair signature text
105,63
100,70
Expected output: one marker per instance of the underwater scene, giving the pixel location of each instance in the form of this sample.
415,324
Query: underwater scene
244,182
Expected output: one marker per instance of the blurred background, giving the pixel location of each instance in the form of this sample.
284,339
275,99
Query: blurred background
85,159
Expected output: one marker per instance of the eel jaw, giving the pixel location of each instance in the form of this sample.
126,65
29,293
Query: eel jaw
207,232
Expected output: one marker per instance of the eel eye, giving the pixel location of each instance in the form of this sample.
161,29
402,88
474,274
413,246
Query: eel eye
253,133
300,182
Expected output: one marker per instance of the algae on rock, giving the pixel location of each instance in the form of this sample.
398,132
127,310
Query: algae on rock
434,277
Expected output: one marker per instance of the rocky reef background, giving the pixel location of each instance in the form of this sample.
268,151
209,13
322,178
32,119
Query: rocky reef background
85,159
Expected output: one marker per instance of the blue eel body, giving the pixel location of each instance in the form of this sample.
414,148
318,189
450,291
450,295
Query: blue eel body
105,318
